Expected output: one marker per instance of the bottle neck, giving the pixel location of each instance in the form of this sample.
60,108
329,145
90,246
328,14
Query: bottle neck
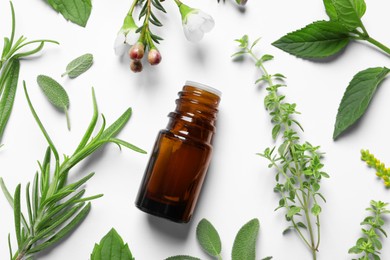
195,114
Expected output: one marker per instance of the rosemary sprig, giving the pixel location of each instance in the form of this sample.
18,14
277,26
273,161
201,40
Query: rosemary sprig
146,35
298,164
54,206
9,69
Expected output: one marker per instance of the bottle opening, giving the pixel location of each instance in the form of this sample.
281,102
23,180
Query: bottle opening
204,87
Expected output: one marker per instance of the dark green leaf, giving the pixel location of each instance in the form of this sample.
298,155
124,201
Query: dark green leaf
182,257
111,247
349,12
244,246
330,10
8,94
357,97
317,40
55,93
79,65
77,11
208,238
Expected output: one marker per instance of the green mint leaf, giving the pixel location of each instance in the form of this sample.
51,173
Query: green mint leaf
78,66
317,40
349,12
77,11
111,247
208,238
55,93
182,257
244,246
357,97
331,10
8,95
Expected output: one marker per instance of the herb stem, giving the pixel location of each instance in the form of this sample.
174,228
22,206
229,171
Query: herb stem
130,13
379,45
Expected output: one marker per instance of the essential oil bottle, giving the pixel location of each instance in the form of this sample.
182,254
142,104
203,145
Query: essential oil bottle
181,155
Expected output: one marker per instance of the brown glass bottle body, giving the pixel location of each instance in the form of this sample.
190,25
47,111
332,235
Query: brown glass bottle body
181,156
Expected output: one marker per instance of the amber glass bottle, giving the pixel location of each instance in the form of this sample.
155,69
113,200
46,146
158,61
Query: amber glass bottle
181,155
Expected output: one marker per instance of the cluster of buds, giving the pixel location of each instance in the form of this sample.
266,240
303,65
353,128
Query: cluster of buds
381,170
136,53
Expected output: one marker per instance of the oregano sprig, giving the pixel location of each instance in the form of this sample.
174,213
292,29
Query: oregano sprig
13,51
322,39
369,245
56,207
298,164
381,170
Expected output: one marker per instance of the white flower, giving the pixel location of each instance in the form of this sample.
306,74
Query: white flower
196,23
126,36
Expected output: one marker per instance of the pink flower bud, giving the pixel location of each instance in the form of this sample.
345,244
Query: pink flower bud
154,57
137,51
136,66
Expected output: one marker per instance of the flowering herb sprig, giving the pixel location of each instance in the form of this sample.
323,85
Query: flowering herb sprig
369,244
141,39
381,170
298,164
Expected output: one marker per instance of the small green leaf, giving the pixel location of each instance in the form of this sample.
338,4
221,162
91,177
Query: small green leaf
182,257
357,97
208,238
78,66
317,40
77,11
349,12
316,210
111,247
293,211
55,93
244,246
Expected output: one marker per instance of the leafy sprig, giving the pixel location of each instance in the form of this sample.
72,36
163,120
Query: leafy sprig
322,39
13,51
111,247
298,164
381,170
369,245
54,206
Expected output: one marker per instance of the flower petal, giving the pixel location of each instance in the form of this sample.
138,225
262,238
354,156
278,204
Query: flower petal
120,45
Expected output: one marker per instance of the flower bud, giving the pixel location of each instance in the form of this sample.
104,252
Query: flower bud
241,2
137,51
136,66
154,57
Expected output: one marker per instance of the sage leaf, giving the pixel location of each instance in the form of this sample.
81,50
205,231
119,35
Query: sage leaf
111,247
317,40
182,257
8,94
78,66
208,238
244,246
357,97
77,11
349,12
55,93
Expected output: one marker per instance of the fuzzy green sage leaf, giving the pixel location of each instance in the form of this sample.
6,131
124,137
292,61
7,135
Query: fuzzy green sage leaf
317,40
78,66
357,97
77,11
55,93
244,246
111,247
208,238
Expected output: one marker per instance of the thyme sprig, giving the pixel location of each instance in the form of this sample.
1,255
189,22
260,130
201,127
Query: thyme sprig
298,164
381,170
54,206
369,244
13,51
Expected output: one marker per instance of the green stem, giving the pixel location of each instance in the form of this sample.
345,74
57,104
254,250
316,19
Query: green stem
132,7
379,45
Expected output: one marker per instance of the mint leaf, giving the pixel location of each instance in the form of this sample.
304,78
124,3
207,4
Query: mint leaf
244,246
77,11
111,247
78,66
357,97
317,40
349,12
331,10
208,238
182,257
55,93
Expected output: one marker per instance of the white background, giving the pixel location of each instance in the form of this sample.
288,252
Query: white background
239,185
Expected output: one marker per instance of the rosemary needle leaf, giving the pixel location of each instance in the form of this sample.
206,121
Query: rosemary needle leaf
78,66
17,216
55,93
182,257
